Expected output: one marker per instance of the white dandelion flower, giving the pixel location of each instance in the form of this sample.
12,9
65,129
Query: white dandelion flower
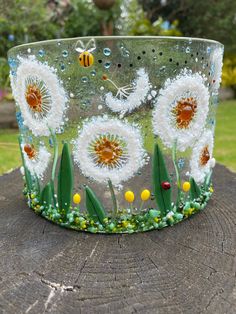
181,110
130,96
201,161
40,95
36,161
109,149
217,64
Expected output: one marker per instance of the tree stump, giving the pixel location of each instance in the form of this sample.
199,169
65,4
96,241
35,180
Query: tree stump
188,268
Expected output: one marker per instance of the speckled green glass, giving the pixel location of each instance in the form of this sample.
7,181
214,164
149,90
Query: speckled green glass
117,133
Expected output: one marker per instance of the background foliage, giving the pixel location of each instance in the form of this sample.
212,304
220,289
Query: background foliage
215,19
23,21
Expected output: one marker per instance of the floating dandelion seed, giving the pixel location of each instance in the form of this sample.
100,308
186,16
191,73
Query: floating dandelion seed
122,92
130,96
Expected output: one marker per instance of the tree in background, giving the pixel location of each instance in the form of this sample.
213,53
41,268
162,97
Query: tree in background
215,19
89,19
135,21
21,22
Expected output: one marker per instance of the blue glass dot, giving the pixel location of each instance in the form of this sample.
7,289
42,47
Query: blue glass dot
212,68
208,49
65,53
84,79
50,142
19,119
63,67
107,51
187,50
12,63
125,53
41,53
93,73
181,163
107,65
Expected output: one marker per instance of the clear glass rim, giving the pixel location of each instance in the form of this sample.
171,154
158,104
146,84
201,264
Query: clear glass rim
172,38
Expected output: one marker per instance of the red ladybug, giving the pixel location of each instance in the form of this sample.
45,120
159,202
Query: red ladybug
165,185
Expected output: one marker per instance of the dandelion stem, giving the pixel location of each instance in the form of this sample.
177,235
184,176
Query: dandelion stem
113,83
132,207
114,201
37,185
174,149
55,157
141,206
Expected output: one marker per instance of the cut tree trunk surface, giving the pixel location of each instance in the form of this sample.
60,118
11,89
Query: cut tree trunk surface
188,268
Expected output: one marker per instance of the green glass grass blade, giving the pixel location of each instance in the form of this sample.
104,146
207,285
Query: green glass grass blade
65,179
194,189
46,196
207,181
159,175
28,177
94,206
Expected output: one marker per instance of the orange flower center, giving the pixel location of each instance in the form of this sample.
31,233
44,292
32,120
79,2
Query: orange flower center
184,112
205,156
30,151
33,97
108,151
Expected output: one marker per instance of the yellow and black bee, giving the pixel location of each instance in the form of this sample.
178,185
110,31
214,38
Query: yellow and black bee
85,58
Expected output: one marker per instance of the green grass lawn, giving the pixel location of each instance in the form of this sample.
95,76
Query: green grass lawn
225,141
9,150
225,136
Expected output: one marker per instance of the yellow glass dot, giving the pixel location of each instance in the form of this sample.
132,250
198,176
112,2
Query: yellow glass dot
125,223
186,186
83,225
156,219
191,210
145,195
129,196
211,189
77,198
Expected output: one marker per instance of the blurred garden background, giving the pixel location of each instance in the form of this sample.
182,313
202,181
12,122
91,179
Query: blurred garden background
23,21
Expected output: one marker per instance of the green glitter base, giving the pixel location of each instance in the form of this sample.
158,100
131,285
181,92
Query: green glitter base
125,222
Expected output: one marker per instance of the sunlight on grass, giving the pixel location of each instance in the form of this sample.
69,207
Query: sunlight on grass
225,136
225,141
9,150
